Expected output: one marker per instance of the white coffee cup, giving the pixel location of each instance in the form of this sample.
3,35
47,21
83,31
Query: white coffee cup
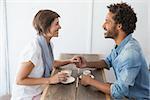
68,72
86,72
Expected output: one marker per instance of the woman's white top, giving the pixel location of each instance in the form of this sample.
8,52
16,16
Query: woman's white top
31,53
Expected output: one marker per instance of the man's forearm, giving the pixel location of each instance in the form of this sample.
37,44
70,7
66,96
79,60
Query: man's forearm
97,64
104,87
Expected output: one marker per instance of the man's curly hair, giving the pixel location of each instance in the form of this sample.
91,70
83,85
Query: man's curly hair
124,15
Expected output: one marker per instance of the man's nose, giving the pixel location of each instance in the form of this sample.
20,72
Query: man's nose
104,26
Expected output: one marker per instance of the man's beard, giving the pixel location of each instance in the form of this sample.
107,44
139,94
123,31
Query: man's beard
108,35
111,34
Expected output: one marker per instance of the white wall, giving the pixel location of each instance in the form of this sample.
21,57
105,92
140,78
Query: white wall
77,23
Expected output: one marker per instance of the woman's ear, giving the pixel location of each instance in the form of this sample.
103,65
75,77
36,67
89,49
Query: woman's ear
48,31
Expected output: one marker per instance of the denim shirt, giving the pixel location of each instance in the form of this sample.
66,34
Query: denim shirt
131,71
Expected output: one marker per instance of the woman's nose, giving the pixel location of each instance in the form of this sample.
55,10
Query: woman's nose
59,27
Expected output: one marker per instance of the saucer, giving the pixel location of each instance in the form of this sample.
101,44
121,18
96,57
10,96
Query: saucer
69,80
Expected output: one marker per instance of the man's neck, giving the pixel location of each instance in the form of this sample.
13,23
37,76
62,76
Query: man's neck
120,38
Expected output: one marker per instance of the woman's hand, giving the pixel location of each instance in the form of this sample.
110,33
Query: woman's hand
57,78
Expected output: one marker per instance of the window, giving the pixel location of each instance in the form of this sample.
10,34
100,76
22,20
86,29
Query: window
4,61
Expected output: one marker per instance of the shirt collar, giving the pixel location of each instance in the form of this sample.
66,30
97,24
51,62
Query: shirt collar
123,43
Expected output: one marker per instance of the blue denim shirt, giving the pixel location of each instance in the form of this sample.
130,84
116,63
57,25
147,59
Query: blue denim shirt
131,71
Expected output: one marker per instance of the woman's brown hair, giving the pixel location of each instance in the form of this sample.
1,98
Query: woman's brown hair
43,19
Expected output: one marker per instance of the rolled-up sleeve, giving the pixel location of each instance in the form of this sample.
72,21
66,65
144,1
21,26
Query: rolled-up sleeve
127,78
119,89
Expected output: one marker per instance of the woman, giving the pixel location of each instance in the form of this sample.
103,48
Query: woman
37,59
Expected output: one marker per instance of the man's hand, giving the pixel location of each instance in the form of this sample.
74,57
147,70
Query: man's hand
79,61
85,80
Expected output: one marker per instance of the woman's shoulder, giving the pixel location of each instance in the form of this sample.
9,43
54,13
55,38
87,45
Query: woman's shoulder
33,44
31,52
32,47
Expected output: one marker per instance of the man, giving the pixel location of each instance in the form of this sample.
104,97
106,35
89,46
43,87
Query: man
126,58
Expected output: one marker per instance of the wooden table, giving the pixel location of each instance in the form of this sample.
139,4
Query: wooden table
71,91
